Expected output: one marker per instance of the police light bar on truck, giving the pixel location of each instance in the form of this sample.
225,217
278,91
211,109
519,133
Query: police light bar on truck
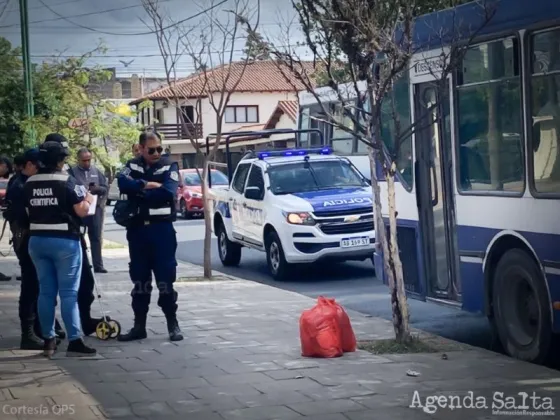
295,152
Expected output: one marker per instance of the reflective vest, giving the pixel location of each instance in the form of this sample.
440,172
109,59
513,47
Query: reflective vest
150,211
45,197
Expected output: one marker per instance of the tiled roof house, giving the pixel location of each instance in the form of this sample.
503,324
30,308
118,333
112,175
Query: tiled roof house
264,97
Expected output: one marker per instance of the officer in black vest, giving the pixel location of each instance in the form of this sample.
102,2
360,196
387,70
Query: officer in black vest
55,204
85,293
151,182
19,225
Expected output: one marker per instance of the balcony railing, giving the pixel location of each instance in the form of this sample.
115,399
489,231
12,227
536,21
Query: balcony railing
176,131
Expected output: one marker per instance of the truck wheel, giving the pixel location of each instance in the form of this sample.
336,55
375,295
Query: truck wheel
230,252
521,307
277,264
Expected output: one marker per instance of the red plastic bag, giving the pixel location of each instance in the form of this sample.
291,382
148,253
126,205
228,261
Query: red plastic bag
347,336
320,332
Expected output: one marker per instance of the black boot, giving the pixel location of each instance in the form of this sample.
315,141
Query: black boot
173,329
77,348
138,332
30,341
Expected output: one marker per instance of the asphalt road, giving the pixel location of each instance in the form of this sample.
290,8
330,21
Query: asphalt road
352,284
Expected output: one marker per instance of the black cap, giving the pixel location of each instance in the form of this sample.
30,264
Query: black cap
51,152
31,155
58,138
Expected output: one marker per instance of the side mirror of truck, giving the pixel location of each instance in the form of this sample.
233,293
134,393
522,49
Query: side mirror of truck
253,193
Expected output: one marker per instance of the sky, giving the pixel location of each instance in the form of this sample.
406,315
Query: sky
75,27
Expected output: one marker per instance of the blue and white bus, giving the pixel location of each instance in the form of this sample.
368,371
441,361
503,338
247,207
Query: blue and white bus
478,192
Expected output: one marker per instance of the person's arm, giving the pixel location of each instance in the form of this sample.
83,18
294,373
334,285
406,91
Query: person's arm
78,197
102,188
128,185
167,190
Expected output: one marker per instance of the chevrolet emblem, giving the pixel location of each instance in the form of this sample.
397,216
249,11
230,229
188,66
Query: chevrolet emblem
350,219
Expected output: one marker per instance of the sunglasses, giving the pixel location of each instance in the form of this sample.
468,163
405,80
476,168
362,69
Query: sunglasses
152,150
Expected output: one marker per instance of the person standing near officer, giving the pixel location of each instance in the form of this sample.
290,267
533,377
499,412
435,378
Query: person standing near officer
55,204
85,293
19,225
150,183
94,180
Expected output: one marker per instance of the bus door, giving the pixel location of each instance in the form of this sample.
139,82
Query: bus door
434,189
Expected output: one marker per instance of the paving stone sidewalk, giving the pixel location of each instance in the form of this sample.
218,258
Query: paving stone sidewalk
241,360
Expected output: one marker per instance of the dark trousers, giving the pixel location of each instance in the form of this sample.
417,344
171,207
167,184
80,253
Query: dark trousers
94,225
29,291
85,292
152,249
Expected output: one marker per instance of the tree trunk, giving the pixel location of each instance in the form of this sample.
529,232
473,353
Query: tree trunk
391,263
207,223
398,294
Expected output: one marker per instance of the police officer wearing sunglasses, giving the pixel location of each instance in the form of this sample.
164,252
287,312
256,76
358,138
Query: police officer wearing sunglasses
150,181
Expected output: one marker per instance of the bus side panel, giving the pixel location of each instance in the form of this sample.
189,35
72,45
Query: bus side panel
476,240
472,286
408,238
473,242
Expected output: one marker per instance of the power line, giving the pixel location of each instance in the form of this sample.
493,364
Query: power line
72,16
137,33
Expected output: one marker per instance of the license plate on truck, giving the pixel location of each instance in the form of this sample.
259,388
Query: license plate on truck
353,242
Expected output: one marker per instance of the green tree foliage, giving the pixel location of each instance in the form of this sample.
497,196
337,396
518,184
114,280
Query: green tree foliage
12,98
65,102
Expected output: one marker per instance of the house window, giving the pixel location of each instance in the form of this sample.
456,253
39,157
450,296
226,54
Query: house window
242,114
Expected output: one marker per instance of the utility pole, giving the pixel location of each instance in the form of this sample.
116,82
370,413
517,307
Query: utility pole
27,71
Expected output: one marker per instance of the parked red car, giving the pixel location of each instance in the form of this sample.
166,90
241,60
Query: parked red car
189,194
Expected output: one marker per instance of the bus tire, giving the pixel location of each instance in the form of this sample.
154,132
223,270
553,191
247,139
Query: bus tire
521,306
229,252
279,268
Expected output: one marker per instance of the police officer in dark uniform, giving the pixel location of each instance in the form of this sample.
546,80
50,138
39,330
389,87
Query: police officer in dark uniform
150,182
19,225
85,293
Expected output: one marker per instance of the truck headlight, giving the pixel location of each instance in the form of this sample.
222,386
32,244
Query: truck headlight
299,218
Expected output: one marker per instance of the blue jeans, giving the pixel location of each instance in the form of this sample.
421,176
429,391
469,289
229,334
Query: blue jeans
58,262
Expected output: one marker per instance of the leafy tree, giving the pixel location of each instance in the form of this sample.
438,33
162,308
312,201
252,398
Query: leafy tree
65,102
12,98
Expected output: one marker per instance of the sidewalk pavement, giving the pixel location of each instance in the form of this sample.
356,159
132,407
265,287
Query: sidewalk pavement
241,360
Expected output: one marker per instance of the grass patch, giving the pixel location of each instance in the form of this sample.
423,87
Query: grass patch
391,346
112,245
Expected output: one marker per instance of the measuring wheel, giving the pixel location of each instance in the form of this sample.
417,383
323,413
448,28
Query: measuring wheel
115,328
103,330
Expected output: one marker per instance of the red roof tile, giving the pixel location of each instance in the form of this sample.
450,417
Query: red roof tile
258,76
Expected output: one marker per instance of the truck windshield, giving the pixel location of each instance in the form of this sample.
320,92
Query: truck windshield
320,175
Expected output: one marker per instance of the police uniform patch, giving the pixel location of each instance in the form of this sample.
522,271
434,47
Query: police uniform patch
126,171
80,191
174,176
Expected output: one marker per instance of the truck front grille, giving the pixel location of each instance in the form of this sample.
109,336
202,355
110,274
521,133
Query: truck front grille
344,228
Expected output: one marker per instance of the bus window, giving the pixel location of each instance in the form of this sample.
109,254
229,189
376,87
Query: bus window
342,141
402,152
545,96
490,128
